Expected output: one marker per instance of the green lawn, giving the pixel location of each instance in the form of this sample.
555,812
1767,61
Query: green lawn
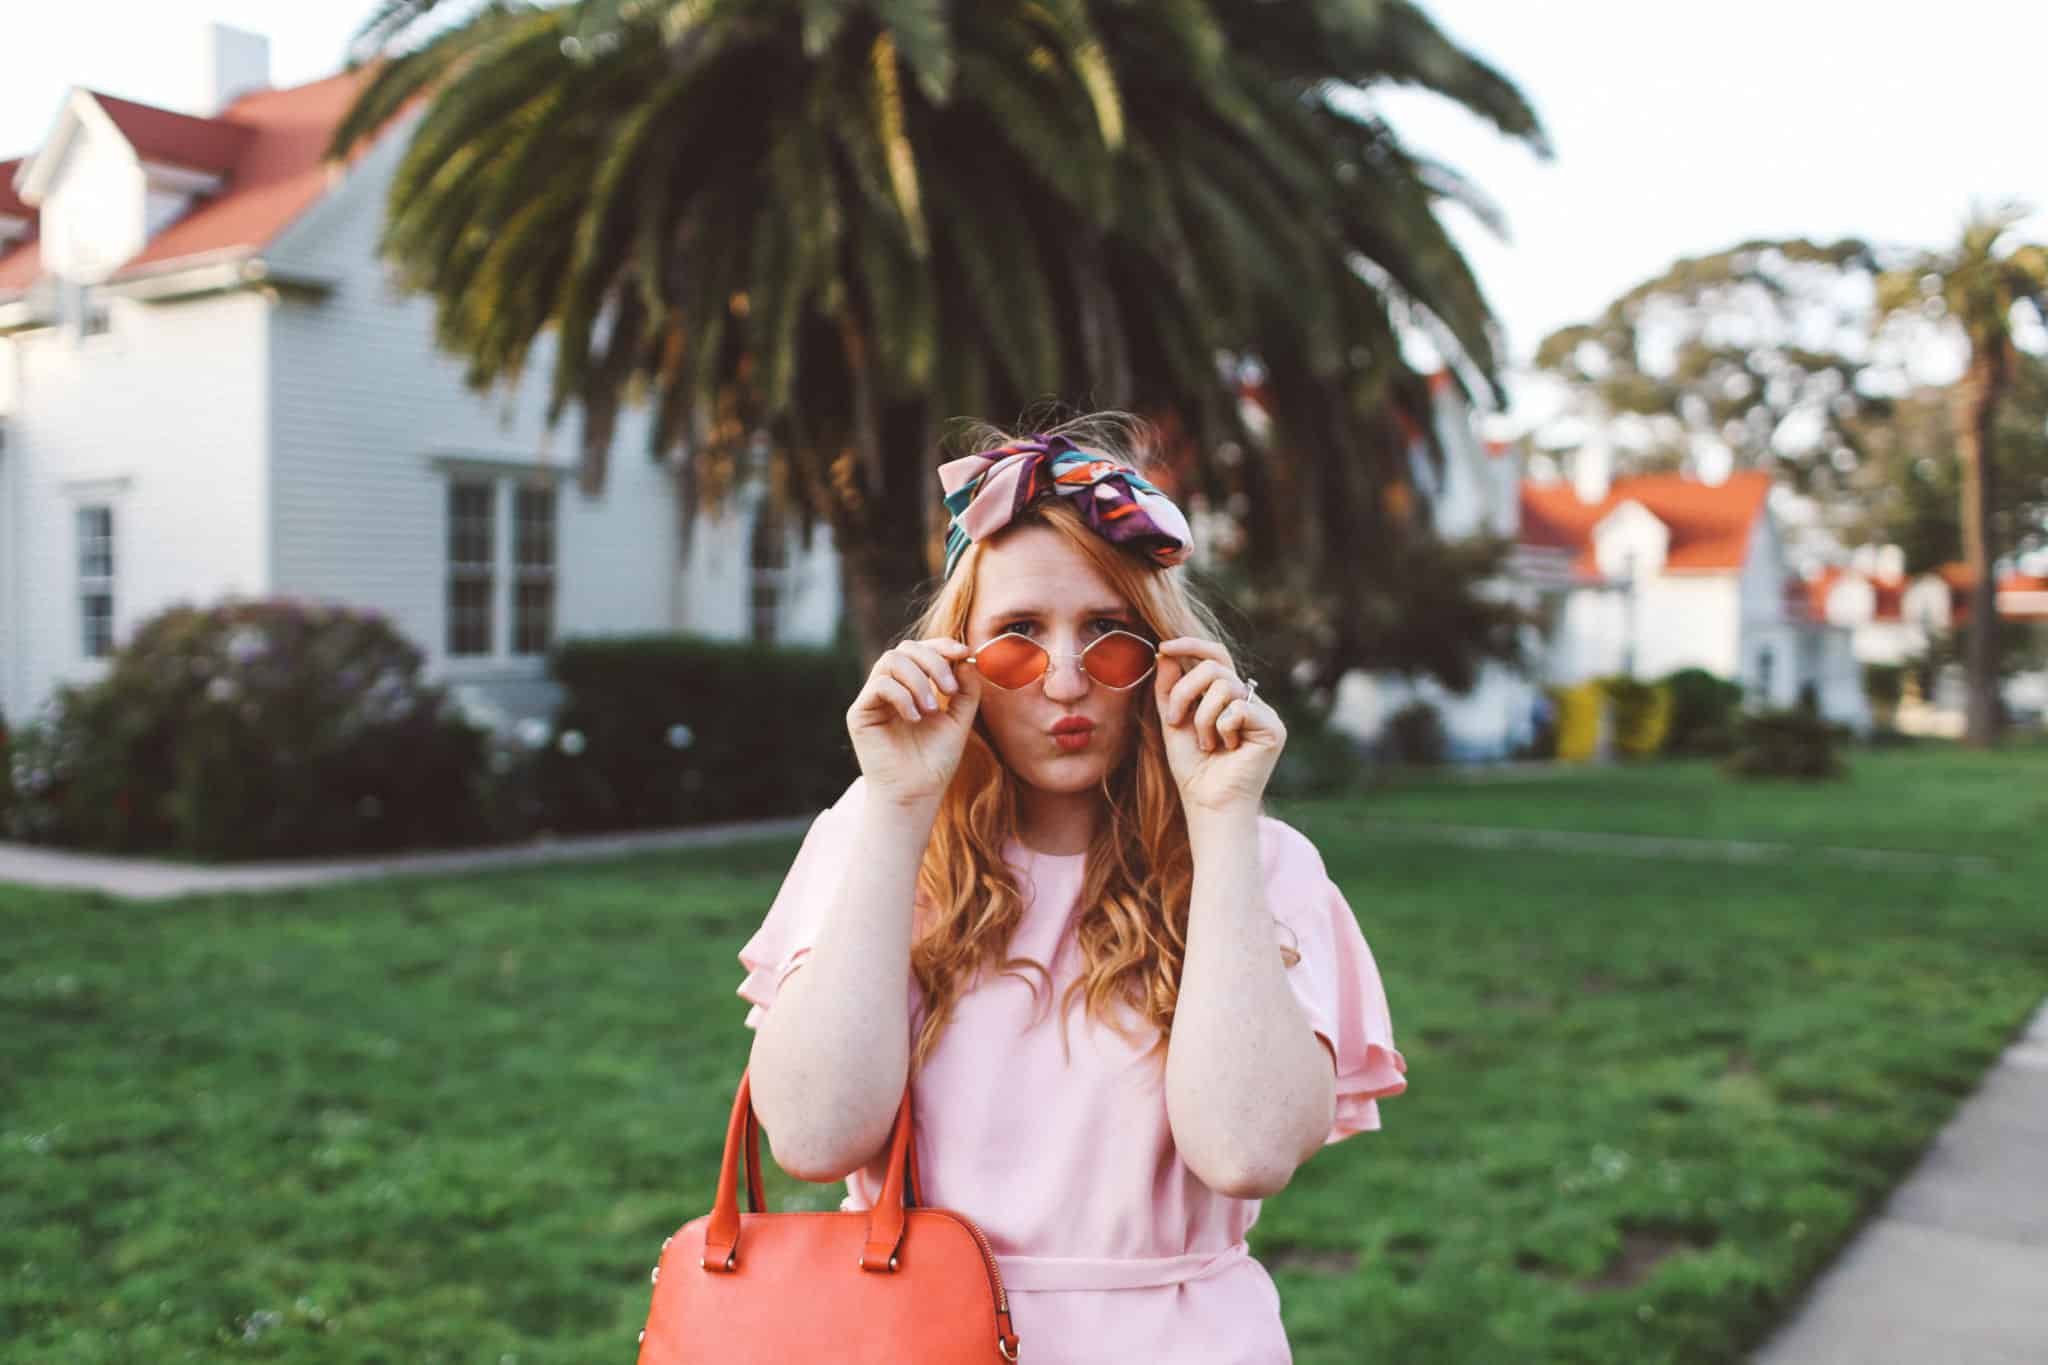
451,1120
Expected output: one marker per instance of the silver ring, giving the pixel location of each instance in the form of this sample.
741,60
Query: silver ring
1251,689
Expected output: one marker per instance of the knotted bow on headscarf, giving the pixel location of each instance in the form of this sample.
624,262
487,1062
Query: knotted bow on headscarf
985,492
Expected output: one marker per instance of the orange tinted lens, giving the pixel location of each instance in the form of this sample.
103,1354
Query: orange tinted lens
1010,661
1117,660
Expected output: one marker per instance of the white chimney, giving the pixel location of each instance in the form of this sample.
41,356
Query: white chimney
233,62
1592,469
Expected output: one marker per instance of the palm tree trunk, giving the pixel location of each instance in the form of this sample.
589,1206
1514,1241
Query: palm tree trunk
879,578
1982,387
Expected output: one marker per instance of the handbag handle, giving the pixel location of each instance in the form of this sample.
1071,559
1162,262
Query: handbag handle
743,1136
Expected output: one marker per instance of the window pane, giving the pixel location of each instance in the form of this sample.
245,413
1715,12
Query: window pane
472,550
96,542
534,620
533,557
470,523
469,616
768,558
533,528
96,609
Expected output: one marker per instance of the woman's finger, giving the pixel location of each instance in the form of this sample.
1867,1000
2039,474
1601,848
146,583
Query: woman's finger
1190,647
1221,693
934,663
895,694
910,672
1191,686
1230,725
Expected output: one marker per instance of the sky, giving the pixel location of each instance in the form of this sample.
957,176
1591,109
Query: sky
1678,129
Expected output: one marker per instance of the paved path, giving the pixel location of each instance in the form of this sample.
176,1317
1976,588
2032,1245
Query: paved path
1954,1269
153,879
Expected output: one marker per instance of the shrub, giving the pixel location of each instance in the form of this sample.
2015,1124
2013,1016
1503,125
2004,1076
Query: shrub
1791,743
1581,714
1884,684
1641,715
1415,734
1319,759
1703,712
254,728
660,730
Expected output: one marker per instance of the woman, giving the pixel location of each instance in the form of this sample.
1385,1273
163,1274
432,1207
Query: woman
1061,775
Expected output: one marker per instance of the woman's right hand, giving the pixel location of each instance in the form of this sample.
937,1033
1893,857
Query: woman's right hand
909,724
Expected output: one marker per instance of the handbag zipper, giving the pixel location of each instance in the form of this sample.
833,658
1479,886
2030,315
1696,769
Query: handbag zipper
1005,1335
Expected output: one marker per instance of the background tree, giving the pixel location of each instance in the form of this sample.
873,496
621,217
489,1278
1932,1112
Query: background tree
1978,286
1756,357
1915,491
1764,356
838,225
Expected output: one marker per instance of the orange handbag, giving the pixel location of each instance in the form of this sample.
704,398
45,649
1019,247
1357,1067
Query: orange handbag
898,1284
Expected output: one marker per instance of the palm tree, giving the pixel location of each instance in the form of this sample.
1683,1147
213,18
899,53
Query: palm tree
839,223
1977,285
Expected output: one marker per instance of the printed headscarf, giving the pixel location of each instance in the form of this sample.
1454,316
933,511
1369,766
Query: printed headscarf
986,491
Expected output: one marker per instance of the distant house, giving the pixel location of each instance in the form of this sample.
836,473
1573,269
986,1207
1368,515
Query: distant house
1939,602
1654,573
1889,620
1471,491
208,388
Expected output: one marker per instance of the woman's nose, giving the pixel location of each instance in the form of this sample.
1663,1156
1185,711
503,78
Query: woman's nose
1064,676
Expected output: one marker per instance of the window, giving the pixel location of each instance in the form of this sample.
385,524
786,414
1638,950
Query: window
472,542
533,561
767,571
96,579
501,564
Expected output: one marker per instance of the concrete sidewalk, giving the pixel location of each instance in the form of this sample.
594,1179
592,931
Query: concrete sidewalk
147,879
1954,1269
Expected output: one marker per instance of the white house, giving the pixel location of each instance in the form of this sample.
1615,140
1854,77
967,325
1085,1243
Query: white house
1668,572
1939,601
1472,491
1889,620
208,388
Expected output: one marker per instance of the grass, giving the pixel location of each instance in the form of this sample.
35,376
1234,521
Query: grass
451,1119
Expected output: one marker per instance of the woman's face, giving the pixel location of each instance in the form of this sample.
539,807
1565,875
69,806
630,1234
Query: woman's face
1033,583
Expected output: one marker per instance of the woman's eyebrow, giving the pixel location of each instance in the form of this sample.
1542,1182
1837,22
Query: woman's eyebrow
1040,612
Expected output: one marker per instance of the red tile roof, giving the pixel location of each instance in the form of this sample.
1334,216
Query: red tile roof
2031,591
1709,523
268,145
1889,592
20,264
197,144
11,204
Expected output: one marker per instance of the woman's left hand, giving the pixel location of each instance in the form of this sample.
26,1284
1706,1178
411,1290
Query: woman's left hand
1220,744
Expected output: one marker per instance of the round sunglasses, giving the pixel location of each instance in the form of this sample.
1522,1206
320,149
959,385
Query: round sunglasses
1117,659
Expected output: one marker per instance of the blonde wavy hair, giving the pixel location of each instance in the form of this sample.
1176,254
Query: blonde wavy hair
1132,922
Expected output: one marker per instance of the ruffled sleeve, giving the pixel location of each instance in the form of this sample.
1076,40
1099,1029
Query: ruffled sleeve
1336,980
798,910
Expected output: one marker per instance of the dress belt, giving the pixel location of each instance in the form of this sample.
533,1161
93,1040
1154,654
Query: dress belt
1116,1272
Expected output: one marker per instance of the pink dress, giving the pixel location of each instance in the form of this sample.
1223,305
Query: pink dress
1111,1250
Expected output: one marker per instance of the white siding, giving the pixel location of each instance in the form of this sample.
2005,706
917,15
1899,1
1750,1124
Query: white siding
93,210
163,417
720,578
366,414
1687,621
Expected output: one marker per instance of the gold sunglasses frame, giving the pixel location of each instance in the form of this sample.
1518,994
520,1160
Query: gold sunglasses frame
1079,656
